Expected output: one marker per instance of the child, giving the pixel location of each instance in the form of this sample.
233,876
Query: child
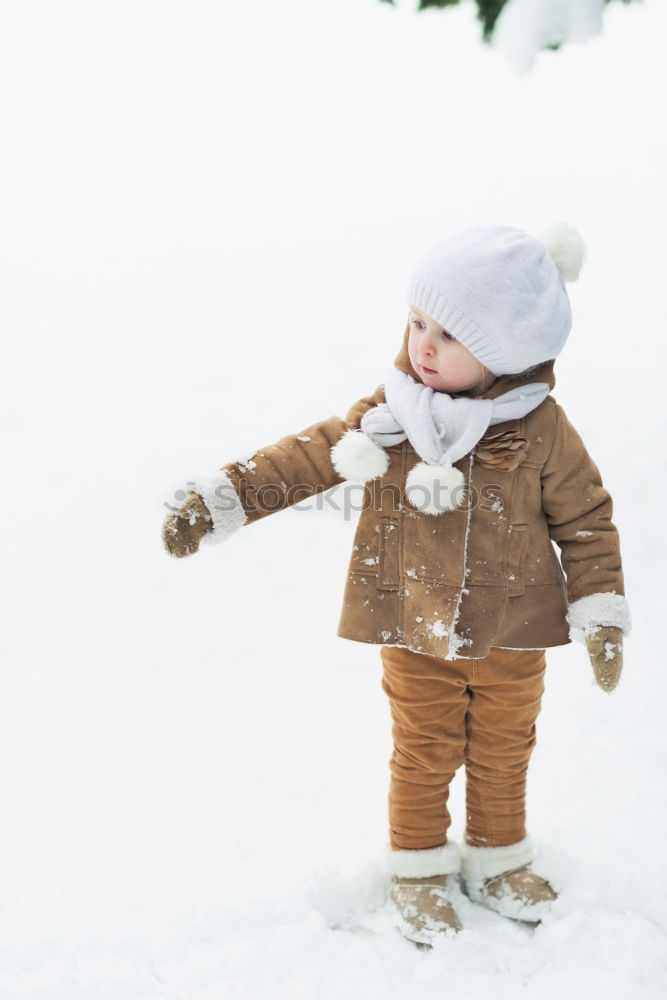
471,469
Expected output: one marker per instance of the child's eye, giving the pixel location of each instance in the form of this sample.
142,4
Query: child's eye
422,326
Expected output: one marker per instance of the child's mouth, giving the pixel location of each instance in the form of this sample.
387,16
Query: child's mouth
429,371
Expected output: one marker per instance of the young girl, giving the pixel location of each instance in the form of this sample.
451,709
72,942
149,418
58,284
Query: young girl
471,470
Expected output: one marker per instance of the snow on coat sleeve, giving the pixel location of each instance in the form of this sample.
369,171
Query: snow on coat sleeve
296,467
579,511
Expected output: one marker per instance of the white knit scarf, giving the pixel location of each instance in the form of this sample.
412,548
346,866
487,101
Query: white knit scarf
442,429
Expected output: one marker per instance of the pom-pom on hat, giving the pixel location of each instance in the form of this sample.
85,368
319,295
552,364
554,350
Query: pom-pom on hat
501,292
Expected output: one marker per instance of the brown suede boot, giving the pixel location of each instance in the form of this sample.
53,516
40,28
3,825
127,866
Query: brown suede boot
423,907
519,894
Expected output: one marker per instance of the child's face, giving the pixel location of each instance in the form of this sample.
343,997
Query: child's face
441,362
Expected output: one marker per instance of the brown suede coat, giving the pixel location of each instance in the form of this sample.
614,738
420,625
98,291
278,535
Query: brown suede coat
485,574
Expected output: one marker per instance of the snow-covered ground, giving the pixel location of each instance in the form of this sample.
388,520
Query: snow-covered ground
209,215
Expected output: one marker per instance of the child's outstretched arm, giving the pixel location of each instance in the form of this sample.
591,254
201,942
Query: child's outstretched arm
579,511
296,467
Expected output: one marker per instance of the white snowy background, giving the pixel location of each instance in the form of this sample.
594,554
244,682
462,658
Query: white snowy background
209,215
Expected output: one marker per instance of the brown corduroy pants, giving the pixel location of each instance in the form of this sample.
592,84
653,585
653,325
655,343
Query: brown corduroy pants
449,712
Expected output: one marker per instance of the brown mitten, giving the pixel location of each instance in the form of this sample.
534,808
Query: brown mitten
605,648
183,531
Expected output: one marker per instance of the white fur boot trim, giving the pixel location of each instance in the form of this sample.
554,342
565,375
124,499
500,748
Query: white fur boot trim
584,615
422,863
433,489
358,457
481,863
224,504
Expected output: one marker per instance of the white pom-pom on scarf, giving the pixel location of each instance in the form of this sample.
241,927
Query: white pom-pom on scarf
358,458
433,489
566,247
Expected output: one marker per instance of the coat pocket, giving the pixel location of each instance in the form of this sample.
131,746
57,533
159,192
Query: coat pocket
515,564
388,555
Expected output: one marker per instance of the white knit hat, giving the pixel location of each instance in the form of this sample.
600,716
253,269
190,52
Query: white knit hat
501,292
